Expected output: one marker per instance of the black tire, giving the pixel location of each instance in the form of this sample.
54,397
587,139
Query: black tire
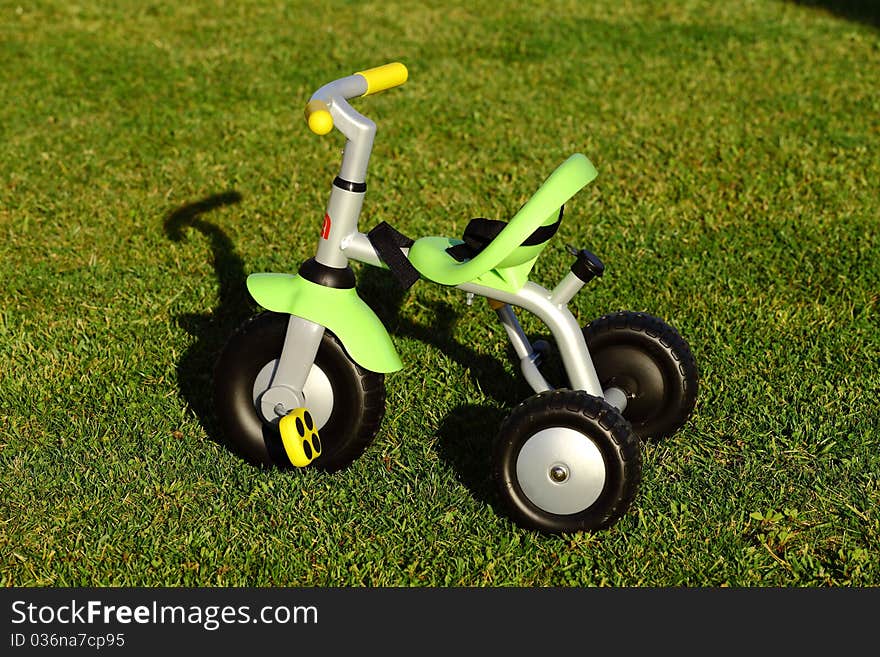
648,359
358,397
608,461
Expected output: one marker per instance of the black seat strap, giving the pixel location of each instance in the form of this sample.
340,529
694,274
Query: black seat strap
477,235
461,252
388,241
544,233
480,232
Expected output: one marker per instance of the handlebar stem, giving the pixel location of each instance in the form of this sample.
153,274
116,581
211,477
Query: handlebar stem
358,129
347,195
359,132
344,205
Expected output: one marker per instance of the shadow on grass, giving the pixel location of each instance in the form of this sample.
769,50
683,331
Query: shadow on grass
210,330
465,444
466,434
862,11
385,297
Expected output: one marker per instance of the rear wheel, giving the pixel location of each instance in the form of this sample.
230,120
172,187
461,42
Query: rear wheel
346,401
565,461
651,363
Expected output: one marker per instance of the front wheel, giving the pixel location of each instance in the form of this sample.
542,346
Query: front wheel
651,363
565,461
346,401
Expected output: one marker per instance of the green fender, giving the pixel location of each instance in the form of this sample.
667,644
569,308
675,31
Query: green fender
340,310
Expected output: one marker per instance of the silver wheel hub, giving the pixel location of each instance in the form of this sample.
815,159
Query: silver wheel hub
558,473
560,470
273,403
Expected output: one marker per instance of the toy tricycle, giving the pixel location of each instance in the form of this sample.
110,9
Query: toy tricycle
303,383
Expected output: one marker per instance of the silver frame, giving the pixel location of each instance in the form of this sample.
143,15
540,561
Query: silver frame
345,242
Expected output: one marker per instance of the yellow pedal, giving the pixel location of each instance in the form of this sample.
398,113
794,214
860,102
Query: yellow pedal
300,437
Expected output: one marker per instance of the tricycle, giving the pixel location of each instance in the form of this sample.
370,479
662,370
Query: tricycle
302,383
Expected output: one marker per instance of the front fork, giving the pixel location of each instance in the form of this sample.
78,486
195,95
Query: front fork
285,393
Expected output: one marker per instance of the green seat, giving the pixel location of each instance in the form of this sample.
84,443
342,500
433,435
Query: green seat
504,263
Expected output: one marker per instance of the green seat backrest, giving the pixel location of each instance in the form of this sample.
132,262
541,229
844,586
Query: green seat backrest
505,251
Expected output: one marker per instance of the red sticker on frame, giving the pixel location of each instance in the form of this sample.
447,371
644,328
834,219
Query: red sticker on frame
325,231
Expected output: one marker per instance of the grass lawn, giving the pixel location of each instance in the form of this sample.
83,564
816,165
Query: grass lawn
154,154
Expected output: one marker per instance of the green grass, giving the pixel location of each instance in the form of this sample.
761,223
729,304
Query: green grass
737,145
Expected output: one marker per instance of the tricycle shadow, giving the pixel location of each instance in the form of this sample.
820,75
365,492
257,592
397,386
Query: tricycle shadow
210,330
465,445
386,298
465,435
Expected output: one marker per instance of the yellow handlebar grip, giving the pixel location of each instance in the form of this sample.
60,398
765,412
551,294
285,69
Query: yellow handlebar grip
318,117
384,77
